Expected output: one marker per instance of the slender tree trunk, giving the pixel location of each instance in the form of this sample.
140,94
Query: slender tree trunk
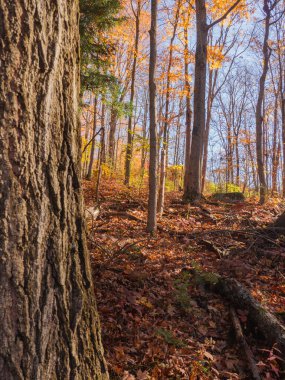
237,182
230,165
188,118
163,163
144,128
275,147
92,151
282,100
192,186
152,201
250,154
162,177
101,152
49,322
259,116
87,133
178,135
283,142
212,86
144,147
112,133
129,150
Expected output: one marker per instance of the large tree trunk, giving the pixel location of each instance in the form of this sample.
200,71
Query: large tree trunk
49,322
192,185
193,179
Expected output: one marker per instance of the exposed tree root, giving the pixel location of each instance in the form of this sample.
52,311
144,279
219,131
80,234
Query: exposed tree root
243,343
268,325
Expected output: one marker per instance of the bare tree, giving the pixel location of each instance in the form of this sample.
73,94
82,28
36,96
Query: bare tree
166,116
137,13
152,201
192,185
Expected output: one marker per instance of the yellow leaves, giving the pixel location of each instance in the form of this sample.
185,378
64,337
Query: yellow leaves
217,8
145,302
215,57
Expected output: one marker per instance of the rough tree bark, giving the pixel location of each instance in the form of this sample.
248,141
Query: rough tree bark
49,322
192,182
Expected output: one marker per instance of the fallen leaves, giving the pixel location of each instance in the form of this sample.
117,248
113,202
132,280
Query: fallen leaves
157,325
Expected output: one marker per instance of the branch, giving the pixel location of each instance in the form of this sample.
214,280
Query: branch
90,141
224,15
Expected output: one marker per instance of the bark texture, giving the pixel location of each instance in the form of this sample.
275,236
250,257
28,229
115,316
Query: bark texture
49,322
192,181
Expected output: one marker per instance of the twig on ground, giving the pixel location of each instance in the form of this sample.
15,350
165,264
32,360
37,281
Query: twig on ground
243,343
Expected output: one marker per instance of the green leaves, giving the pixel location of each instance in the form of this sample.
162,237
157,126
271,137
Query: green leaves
96,18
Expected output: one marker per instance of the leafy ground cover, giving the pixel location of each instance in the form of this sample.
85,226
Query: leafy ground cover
157,321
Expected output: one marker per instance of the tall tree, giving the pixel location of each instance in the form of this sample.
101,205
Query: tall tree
160,201
93,143
192,185
188,116
280,34
49,322
152,206
129,150
268,8
258,114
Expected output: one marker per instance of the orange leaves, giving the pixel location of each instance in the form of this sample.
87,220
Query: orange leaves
217,8
215,57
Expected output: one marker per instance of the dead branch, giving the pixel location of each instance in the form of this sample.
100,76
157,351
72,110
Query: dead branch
243,343
267,324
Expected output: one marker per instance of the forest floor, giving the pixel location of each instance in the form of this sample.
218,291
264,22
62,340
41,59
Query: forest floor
157,322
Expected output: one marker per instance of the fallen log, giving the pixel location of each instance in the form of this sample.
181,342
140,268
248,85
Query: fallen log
229,197
268,325
243,344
